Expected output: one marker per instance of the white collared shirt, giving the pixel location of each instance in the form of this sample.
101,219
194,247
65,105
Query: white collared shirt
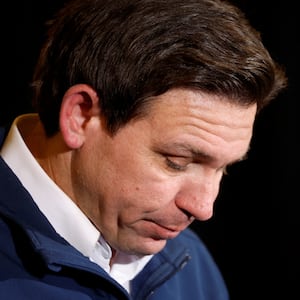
63,214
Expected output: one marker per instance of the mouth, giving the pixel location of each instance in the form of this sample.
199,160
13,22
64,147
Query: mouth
160,231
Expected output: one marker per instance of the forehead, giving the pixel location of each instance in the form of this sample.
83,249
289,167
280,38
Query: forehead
206,121
203,107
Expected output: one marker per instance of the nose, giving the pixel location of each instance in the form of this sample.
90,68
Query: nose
197,196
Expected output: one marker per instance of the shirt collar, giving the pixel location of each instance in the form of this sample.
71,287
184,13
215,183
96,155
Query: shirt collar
63,214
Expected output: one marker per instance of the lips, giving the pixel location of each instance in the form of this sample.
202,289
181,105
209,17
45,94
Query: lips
161,231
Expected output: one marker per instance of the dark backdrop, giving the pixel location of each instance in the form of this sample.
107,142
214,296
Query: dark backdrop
254,234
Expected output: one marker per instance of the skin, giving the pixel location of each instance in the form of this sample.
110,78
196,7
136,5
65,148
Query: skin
149,181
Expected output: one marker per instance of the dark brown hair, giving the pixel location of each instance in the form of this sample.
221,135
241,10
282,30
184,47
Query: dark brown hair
132,50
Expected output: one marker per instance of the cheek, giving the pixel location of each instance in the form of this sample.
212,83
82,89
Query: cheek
130,182
148,194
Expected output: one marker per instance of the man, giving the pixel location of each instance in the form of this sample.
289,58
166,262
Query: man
141,105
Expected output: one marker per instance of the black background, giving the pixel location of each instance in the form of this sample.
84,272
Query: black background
254,234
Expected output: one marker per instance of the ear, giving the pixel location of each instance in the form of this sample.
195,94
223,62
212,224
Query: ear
80,103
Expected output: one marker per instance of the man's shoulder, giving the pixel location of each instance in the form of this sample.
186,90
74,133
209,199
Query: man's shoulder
3,133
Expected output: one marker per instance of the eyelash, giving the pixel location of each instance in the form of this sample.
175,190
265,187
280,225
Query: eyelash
174,166
178,167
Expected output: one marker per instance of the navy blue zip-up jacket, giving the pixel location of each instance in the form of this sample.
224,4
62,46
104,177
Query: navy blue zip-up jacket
37,264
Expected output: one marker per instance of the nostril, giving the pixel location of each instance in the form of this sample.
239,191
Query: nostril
188,214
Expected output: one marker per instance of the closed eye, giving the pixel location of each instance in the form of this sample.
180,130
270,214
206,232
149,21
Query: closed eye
174,165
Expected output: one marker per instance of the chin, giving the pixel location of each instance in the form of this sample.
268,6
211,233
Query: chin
149,247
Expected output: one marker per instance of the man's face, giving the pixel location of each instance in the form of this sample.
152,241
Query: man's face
148,182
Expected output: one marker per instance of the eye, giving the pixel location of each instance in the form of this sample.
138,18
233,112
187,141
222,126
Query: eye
175,165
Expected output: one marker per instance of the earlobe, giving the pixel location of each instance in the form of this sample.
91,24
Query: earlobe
80,103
